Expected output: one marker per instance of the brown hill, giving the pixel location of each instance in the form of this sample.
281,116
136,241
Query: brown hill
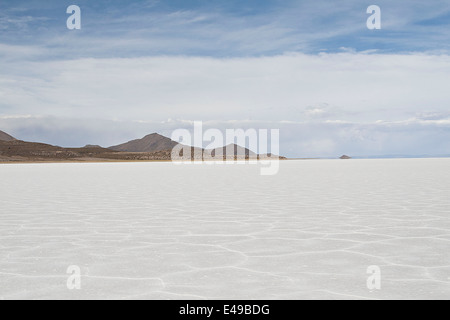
161,149
20,151
151,143
6,137
237,151
92,146
155,142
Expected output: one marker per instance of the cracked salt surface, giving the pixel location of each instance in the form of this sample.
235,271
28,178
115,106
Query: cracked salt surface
162,231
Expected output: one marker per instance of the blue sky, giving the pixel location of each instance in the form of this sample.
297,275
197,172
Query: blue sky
310,68
221,28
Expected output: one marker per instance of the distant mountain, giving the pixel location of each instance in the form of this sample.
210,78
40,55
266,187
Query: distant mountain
153,147
151,143
6,137
238,151
20,151
92,146
156,142
32,151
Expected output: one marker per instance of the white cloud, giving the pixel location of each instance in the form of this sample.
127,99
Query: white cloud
346,86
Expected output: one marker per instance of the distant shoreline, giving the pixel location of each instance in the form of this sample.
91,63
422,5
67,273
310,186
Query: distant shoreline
134,161
91,161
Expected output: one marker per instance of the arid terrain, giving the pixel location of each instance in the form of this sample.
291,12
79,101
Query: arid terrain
153,147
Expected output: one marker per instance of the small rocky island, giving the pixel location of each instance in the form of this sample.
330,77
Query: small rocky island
345,157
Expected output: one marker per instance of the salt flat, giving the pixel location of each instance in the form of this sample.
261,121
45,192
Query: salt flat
165,231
